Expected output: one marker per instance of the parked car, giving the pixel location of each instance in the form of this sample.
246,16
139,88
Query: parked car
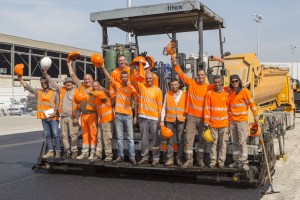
31,104
16,108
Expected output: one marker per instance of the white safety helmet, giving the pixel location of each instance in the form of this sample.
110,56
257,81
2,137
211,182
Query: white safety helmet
46,63
147,65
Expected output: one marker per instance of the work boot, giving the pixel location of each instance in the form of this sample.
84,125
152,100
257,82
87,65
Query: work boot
99,155
132,161
155,162
212,165
189,161
200,163
221,166
57,155
67,155
234,165
107,159
143,161
49,154
169,162
83,156
119,159
74,155
92,157
179,161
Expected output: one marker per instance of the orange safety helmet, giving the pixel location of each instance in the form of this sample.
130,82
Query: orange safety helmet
74,55
138,59
79,97
97,60
166,132
151,59
255,129
19,69
171,48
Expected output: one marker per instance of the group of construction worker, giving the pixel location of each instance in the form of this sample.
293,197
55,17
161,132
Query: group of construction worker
135,98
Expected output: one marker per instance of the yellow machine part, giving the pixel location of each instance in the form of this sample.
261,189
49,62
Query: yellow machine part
265,82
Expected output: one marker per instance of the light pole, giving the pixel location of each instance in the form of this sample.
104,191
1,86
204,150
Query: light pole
297,69
128,37
293,48
258,19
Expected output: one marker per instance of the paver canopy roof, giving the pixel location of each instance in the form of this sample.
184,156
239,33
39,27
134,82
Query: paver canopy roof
159,18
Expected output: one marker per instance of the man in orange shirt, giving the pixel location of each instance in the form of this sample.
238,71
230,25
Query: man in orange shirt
105,126
116,73
216,118
150,106
126,96
173,112
194,108
240,101
88,115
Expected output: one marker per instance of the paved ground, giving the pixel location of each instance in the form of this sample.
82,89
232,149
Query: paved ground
19,124
19,152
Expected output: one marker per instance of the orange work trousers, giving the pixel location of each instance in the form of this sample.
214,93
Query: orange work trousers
89,131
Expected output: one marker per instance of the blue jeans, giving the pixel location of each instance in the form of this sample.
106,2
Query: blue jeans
51,132
124,121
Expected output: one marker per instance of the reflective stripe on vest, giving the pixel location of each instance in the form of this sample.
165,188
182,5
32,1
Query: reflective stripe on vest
174,111
42,105
106,113
90,102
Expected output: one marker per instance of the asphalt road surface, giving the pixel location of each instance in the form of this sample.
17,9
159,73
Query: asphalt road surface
19,152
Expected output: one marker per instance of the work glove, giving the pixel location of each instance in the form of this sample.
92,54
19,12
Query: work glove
206,126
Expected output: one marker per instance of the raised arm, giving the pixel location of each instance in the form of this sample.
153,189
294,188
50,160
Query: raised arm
107,74
181,74
73,75
52,82
28,87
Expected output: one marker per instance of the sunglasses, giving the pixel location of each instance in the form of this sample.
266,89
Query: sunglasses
234,81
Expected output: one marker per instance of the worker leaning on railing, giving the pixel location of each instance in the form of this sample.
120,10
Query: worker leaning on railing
240,101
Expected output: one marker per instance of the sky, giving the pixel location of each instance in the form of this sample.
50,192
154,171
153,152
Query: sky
67,22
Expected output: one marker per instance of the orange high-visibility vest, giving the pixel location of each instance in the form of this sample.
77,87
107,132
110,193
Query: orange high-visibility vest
90,100
216,109
195,95
124,98
45,102
239,105
74,105
104,109
150,102
174,111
